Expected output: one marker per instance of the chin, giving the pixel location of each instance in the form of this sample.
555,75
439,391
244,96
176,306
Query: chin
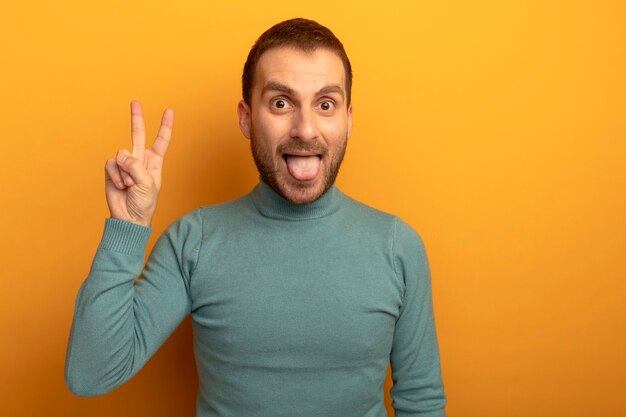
301,194
275,174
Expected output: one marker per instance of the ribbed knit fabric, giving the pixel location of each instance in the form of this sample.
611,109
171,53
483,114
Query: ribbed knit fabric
297,310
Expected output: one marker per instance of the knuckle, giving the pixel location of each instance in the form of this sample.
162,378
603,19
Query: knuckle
110,164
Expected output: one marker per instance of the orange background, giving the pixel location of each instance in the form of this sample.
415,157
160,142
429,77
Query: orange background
497,129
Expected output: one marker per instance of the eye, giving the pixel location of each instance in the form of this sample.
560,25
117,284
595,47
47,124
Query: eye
327,105
280,103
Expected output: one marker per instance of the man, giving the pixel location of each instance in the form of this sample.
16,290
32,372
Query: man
300,296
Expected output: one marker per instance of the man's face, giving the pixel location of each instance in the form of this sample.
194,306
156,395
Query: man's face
298,121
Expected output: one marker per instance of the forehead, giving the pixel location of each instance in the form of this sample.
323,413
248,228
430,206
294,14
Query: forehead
302,71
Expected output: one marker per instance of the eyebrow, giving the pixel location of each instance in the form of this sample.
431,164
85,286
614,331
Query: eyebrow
332,89
276,86
280,87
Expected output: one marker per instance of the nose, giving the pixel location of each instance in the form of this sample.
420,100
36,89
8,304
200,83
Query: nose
304,125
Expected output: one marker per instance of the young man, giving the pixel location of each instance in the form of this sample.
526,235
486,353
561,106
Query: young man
300,296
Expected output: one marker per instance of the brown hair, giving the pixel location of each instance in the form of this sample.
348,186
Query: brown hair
306,35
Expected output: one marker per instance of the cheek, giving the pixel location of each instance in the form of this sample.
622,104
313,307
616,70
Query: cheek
270,128
334,129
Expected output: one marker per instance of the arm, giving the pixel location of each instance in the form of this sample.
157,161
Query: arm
416,371
120,322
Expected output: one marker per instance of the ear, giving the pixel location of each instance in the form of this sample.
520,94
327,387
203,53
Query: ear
243,111
350,120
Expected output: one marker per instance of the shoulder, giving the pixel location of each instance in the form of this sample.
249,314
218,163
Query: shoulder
197,222
361,212
399,229
404,240
188,234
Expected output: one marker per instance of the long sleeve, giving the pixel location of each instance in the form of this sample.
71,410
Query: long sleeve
416,371
119,321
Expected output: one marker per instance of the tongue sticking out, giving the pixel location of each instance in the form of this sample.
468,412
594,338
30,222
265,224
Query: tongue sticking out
303,168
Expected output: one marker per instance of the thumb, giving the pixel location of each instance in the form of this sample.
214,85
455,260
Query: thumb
134,168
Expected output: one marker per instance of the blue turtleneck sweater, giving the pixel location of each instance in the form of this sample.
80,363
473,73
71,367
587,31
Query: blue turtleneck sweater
297,310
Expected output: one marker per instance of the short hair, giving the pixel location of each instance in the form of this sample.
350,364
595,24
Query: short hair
306,35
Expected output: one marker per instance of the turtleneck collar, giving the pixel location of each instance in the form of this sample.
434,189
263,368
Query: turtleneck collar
270,204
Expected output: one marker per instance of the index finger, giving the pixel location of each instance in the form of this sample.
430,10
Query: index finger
138,129
162,140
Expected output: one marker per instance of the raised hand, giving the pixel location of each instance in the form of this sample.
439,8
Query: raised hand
133,180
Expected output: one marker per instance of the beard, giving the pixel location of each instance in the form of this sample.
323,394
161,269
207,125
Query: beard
296,192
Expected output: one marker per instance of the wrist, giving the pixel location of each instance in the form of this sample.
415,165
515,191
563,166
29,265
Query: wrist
126,216
124,237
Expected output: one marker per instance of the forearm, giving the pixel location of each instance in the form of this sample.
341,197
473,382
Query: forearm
119,322
416,371
104,338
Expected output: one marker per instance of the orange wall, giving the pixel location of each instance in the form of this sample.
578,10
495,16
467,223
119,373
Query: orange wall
497,129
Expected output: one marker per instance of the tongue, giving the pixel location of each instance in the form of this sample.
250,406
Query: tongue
303,168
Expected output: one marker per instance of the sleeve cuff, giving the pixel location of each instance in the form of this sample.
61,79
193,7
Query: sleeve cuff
124,237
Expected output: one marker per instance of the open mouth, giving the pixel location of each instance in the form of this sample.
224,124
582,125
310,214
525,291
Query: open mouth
303,167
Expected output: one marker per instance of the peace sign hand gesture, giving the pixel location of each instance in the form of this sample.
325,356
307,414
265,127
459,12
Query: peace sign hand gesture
133,180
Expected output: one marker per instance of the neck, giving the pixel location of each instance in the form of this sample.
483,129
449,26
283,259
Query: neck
271,204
